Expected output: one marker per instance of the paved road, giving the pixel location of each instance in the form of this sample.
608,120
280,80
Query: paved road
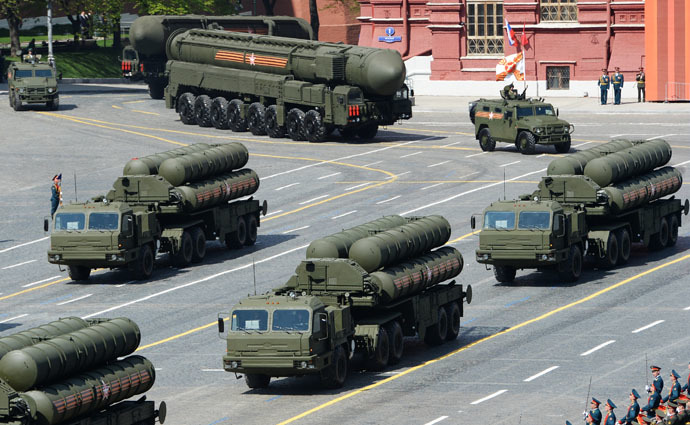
526,351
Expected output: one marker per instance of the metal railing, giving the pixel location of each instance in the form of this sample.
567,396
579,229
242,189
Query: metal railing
677,92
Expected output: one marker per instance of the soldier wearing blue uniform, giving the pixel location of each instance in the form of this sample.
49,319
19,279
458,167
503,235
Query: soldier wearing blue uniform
604,84
633,409
610,418
617,82
674,391
652,403
686,387
594,415
658,383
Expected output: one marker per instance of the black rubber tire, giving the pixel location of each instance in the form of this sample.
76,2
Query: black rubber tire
563,147
17,104
185,108
368,131
659,240
486,142
335,375
184,256
504,274
238,238
572,268
235,120
526,143
610,260
54,104
453,312
396,341
436,333
199,244
672,230
256,119
202,111
143,267
294,124
157,89
624,245
252,226
256,380
271,122
379,360
219,113
347,133
79,273
314,128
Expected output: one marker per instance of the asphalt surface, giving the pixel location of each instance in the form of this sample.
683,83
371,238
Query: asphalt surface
526,351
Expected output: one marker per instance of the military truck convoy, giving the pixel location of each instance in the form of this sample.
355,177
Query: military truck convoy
277,85
170,202
145,58
74,372
360,291
32,83
596,202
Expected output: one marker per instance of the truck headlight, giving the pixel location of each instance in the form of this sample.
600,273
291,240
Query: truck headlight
51,90
303,365
538,130
234,365
544,257
56,257
483,256
113,257
21,90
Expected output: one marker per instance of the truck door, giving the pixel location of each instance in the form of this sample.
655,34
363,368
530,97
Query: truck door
127,232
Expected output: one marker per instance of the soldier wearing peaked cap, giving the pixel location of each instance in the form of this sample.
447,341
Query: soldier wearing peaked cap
610,418
658,383
594,415
633,409
674,391
671,415
652,403
682,412
604,83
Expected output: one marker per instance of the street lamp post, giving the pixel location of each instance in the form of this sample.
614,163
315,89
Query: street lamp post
51,58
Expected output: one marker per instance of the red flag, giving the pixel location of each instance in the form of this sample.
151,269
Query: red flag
523,40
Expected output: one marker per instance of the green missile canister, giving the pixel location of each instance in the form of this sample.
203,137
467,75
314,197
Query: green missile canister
69,353
338,244
217,190
90,391
643,189
147,165
575,163
400,243
627,163
204,164
34,335
411,277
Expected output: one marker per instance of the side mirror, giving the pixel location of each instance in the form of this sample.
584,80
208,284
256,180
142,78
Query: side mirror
45,224
557,112
412,92
221,325
559,226
473,222
322,332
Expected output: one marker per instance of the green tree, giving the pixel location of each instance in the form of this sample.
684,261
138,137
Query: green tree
108,14
12,11
181,7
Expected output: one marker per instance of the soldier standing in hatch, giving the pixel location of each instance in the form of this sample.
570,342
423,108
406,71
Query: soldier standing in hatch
604,84
617,82
640,85
56,194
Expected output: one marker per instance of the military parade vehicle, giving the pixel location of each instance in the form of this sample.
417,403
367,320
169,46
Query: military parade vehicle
516,119
145,58
75,372
170,202
277,85
359,292
596,202
32,83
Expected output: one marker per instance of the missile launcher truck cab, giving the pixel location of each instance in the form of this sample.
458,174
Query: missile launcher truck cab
595,203
524,122
32,83
334,308
170,202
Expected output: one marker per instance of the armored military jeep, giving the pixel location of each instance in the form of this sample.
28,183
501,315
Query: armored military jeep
32,83
516,119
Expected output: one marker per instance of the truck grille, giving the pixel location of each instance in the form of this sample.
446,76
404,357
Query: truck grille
559,129
36,90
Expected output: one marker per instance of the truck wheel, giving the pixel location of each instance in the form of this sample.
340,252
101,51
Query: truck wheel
184,256
53,104
486,142
453,312
436,333
314,129
295,124
611,258
334,376
572,267
142,269
395,339
672,231
199,243
251,230
368,131
185,107
347,133
504,274
255,119
17,104
272,128
257,380
563,147
156,89
660,239
526,143
79,272
238,238
235,120
379,359
624,245
219,113
202,111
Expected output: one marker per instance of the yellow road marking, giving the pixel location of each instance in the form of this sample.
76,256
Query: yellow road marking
33,288
116,107
144,112
463,237
490,337
134,101
439,181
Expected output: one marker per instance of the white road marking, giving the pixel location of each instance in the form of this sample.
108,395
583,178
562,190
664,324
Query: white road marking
476,154
388,200
429,187
437,420
470,191
23,244
542,373
687,308
274,212
598,347
660,137
398,175
614,135
76,299
542,155
213,370
285,187
314,199
411,154
437,164
586,143
205,279
329,175
510,163
450,144
294,230
13,318
355,187
489,397
648,326
40,281
343,215
18,264
373,163
682,163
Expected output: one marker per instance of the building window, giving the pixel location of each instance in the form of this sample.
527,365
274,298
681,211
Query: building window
485,28
557,77
559,10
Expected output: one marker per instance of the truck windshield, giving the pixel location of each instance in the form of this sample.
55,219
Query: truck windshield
499,220
545,110
249,320
534,220
525,112
354,96
103,221
290,320
22,73
43,73
69,221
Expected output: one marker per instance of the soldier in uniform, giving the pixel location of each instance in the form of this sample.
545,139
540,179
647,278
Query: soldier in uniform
674,391
610,418
509,92
604,84
671,416
640,85
29,57
633,409
652,403
686,387
617,82
658,383
56,194
594,415
682,413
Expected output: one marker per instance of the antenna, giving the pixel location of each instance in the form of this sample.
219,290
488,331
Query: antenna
504,183
254,272
75,187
